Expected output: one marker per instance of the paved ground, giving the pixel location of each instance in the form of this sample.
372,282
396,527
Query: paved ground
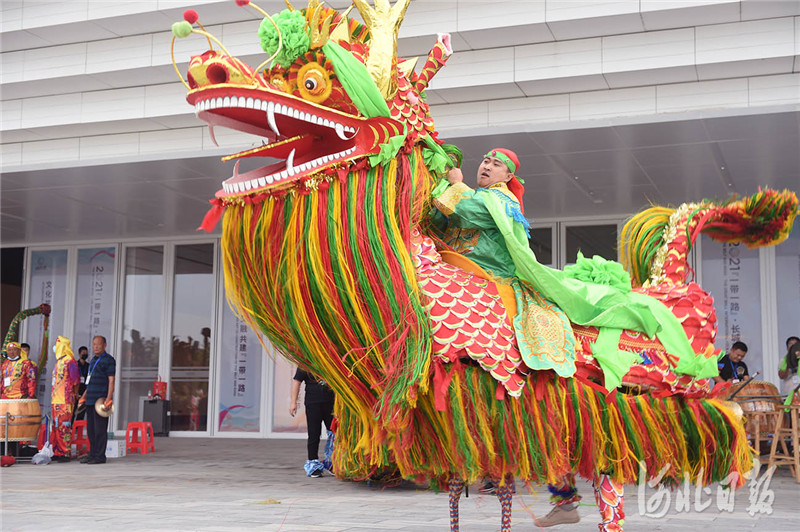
225,484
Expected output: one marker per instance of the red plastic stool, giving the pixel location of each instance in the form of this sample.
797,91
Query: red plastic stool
139,437
80,436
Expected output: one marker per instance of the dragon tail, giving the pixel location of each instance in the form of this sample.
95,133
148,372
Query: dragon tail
655,242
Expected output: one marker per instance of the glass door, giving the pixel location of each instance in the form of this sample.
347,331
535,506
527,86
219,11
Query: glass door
192,323
141,328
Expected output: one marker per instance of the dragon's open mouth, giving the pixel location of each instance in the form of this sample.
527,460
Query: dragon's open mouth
306,137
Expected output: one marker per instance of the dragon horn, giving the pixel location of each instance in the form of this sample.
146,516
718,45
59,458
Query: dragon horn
384,23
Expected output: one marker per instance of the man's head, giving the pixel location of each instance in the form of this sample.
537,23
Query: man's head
83,352
737,352
498,166
791,341
13,350
25,350
99,345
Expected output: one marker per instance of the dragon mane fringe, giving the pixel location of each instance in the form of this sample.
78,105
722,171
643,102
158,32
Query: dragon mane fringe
299,265
556,427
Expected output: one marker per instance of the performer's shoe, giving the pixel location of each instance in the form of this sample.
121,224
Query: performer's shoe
60,458
95,461
85,459
316,474
559,516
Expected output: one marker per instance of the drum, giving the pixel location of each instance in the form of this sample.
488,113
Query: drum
24,418
758,399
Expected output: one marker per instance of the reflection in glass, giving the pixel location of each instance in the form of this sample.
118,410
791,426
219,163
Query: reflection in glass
192,312
591,240
541,243
141,327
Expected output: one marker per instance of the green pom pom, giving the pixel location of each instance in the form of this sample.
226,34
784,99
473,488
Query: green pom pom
292,25
181,29
598,270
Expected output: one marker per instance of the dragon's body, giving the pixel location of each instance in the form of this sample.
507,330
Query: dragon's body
327,254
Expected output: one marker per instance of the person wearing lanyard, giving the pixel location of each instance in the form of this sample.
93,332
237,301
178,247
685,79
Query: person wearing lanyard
99,384
732,367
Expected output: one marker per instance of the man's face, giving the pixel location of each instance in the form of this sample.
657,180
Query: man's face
790,343
13,353
98,345
737,355
491,171
83,353
27,350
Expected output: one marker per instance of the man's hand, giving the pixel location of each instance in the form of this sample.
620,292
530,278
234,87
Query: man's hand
107,403
454,175
293,408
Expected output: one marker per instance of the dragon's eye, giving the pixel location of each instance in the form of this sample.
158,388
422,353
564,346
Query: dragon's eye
313,82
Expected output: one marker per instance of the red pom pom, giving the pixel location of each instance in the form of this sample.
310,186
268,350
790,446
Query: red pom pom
190,16
242,2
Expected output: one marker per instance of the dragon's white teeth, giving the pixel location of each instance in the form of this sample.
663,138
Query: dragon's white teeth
251,103
290,163
340,131
284,174
226,101
262,181
271,117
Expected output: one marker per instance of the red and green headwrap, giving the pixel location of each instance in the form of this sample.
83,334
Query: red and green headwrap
512,162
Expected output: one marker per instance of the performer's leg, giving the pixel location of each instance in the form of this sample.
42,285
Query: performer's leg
564,497
456,487
609,497
505,494
61,434
314,421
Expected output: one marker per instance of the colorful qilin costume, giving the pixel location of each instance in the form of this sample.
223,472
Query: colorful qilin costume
329,253
64,394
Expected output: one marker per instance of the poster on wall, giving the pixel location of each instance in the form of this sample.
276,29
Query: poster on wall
48,284
240,376
94,297
787,268
282,397
731,273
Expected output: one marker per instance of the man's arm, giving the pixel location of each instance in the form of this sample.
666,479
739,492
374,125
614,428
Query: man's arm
110,396
295,395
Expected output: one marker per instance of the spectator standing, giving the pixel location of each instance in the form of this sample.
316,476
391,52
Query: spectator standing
99,385
319,402
787,370
83,368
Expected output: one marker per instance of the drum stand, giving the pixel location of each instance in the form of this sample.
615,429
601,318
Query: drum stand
9,420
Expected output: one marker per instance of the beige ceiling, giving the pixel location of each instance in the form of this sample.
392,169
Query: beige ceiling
619,170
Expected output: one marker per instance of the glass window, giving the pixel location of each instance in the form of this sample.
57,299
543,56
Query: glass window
591,240
192,313
541,243
94,298
240,376
48,285
141,327
731,274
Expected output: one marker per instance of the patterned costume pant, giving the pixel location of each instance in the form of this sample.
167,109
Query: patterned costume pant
61,435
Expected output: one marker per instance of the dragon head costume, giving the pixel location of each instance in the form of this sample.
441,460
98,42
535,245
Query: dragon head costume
328,253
